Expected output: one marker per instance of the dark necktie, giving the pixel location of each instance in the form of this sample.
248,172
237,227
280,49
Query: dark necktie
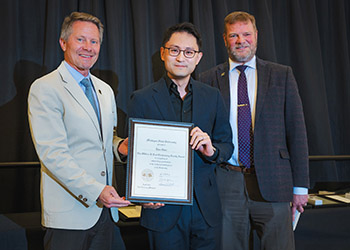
244,119
89,94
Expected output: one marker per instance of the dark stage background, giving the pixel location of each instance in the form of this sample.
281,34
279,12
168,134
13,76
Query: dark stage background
312,36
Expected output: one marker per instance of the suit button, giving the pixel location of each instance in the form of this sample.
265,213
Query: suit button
80,197
103,173
84,200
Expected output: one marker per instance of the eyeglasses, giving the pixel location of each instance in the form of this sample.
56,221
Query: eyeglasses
188,53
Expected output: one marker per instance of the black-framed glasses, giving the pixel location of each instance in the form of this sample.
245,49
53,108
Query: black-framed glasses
175,51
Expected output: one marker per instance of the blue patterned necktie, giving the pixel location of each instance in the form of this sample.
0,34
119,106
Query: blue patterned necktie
89,94
244,119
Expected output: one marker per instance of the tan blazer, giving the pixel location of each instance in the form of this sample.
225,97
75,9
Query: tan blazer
75,156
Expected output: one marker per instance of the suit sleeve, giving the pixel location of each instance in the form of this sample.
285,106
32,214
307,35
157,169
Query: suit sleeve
135,106
296,133
46,111
222,133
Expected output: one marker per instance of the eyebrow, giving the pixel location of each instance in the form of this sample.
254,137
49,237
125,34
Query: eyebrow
191,48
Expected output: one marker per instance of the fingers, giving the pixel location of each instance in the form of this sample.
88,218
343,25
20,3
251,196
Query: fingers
119,202
200,141
300,209
299,202
153,205
301,206
115,202
110,198
199,138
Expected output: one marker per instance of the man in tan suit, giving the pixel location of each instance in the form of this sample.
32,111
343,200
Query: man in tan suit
72,116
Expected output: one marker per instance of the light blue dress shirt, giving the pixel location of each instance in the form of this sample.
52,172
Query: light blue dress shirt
251,88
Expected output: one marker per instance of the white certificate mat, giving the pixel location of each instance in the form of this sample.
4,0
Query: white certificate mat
160,165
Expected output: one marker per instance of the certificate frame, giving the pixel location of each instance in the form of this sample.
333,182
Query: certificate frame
160,162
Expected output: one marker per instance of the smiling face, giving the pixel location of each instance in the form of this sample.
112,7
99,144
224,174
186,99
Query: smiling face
82,47
241,41
179,68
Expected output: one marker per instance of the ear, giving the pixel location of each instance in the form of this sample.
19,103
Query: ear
224,37
63,44
199,57
162,51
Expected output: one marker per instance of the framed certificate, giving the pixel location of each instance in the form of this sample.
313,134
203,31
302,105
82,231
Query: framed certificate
160,162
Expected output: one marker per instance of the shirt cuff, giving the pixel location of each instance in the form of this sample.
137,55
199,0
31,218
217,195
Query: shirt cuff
300,190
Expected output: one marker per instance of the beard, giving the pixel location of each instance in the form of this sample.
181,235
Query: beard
242,57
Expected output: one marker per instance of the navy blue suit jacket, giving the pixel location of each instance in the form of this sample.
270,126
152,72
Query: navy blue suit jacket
280,143
210,115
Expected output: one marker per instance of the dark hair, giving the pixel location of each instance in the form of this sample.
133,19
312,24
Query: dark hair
239,16
67,24
182,27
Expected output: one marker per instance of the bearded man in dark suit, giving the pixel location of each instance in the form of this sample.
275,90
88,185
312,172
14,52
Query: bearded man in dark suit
257,187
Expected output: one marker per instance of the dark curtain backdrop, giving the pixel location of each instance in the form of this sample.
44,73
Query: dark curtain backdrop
312,36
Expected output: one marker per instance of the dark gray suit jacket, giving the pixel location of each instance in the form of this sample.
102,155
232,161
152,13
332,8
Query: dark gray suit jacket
280,143
210,115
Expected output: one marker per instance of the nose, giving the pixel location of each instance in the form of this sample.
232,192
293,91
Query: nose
180,57
87,46
240,39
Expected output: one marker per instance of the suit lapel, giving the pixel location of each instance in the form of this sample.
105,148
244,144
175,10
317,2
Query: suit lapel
263,84
76,92
162,99
222,75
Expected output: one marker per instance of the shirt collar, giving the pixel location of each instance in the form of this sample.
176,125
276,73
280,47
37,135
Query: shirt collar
170,84
76,75
251,64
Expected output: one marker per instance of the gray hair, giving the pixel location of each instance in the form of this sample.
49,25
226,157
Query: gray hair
67,24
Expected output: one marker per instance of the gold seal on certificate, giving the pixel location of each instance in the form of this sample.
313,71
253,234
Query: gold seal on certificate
160,162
